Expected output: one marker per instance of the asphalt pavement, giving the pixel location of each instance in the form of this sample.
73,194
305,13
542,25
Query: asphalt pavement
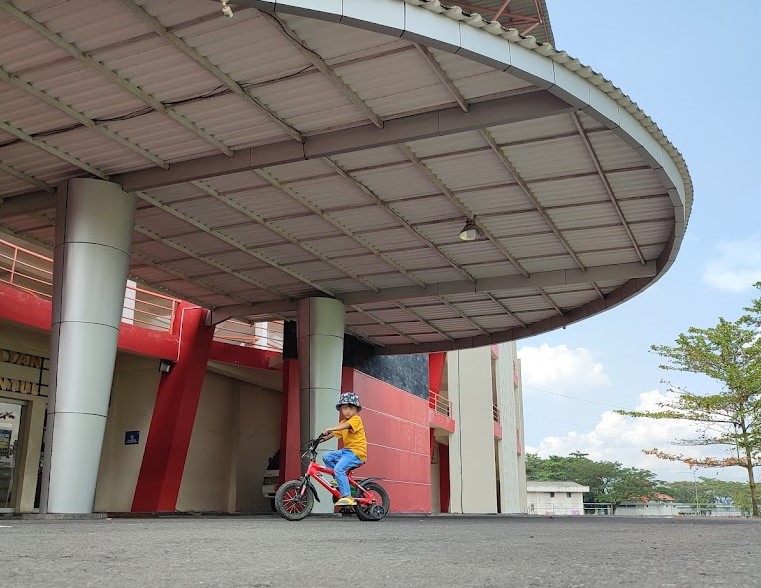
415,551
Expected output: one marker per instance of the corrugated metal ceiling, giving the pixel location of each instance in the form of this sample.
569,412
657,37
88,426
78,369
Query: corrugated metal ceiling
382,221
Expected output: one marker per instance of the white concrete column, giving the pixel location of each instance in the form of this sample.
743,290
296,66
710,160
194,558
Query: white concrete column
94,224
320,336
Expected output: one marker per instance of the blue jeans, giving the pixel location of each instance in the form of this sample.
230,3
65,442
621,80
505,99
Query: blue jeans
340,461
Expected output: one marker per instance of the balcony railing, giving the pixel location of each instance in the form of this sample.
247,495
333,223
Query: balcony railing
440,404
33,273
267,335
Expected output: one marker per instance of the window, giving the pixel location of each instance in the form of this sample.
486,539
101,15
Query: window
552,495
568,494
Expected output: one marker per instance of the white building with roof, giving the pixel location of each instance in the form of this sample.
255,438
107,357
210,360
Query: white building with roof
555,498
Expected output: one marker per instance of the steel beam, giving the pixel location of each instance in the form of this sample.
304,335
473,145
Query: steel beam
448,121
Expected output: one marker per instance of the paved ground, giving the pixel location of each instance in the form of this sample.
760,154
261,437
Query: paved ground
411,551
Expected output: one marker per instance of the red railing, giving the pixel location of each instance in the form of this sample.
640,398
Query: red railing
440,404
33,273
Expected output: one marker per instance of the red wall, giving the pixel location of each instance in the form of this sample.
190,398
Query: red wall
398,436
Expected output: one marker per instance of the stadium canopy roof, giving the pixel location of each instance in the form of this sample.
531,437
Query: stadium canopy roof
334,148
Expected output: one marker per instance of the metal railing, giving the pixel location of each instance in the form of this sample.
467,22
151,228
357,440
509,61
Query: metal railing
26,270
440,404
33,273
268,335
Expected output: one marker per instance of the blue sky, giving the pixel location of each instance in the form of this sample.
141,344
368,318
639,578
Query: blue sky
692,68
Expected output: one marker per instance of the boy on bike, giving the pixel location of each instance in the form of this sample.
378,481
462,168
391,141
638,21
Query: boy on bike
351,431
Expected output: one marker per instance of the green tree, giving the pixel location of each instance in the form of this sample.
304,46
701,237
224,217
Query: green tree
729,354
608,481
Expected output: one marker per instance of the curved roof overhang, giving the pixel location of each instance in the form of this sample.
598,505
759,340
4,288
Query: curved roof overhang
329,148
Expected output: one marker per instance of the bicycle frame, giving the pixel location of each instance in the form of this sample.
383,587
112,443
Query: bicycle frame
314,470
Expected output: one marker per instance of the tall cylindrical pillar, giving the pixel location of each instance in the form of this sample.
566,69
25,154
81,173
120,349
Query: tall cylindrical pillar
94,224
320,336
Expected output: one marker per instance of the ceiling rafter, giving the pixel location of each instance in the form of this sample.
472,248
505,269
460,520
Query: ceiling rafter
549,299
54,151
284,234
111,75
155,25
419,317
443,76
315,59
211,262
463,315
12,171
499,152
82,118
464,209
413,127
507,309
230,241
599,292
378,201
383,323
329,218
606,184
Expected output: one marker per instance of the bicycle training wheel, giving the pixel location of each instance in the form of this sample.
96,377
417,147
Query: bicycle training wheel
289,502
378,508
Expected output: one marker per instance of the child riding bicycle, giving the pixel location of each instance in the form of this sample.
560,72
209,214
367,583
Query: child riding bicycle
351,431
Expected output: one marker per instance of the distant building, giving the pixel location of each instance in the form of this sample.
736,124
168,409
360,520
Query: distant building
555,498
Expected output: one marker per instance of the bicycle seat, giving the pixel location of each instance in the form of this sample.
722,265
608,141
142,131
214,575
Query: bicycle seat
354,468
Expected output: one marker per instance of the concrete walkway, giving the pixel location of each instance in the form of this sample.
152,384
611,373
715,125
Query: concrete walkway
413,551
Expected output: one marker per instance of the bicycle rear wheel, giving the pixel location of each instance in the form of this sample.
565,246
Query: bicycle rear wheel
291,504
379,506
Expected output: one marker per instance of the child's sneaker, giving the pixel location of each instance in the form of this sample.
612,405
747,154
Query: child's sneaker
346,501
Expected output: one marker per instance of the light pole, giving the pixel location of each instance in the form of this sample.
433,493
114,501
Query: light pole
697,503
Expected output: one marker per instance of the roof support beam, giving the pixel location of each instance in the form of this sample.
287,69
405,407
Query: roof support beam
620,272
111,75
606,184
12,171
82,118
498,111
27,204
54,151
499,152
284,234
464,209
443,77
340,226
228,82
230,241
327,71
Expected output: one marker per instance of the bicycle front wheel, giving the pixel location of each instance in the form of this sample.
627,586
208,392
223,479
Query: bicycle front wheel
291,504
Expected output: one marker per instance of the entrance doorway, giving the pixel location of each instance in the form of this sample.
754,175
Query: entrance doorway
11,419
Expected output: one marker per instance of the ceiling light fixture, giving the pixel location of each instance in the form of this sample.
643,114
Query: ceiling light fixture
469,232
226,10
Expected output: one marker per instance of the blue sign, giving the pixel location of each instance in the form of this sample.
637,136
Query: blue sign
132,437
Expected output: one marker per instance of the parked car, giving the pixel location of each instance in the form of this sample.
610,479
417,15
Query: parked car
271,479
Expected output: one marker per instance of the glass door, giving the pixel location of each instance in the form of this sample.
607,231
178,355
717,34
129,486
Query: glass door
10,451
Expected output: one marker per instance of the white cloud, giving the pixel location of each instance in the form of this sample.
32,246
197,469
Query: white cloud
735,265
622,439
561,369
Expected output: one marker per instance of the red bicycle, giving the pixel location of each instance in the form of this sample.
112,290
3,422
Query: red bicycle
294,500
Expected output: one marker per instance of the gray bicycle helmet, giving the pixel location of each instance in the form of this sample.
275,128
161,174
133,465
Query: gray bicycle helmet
349,398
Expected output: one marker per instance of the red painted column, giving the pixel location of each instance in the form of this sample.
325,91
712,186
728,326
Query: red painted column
436,362
174,414
290,427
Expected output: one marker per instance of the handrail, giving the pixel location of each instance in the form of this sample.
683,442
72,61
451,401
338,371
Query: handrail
32,272
439,403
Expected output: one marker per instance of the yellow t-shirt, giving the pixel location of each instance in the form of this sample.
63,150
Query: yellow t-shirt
354,437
